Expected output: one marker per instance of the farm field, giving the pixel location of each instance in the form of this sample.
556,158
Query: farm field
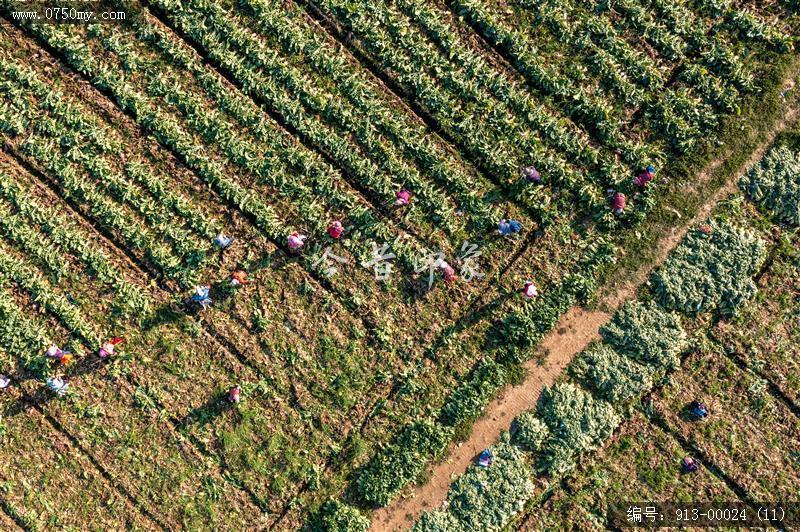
639,464
365,189
745,447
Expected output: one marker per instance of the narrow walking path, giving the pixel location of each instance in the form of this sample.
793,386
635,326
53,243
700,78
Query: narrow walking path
576,329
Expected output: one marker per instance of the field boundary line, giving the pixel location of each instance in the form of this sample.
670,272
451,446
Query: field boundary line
5,508
686,444
76,444
106,475
745,366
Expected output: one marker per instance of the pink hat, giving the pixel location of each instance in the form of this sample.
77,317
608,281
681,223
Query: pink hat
106,350
403,197
448,272
643,178
296,241
234,394
618,202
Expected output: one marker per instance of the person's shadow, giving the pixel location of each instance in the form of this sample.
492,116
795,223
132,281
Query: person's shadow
207,412
687,415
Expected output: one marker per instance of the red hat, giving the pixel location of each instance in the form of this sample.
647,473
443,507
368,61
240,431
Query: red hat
335,229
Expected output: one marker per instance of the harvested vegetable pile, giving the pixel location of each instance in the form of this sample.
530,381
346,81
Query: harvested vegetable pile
711,271
774,183
647,334
485,498
578,423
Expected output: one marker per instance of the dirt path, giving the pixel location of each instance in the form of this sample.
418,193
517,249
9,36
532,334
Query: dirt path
576,329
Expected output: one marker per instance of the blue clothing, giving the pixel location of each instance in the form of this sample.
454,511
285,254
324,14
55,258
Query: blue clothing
223,241
509,227
485,459
201,297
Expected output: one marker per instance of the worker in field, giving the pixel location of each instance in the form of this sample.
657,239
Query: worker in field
529,290
618,203
531,175
402,197
296,241
448,273
201,296
485,459
645,177
222,241
335,229
698,410
5,382
234,394
509,227
107,349
689,465
239,277
62,357
57,385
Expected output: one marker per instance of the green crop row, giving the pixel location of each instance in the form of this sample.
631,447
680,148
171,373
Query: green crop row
295,35
20,336
400,462
75,127
484,498
105,140
172,134
712,50
553,130
747,24
714,90
131,299
33,282
270,78
592,112
309,184
675,114
492,132
46,145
